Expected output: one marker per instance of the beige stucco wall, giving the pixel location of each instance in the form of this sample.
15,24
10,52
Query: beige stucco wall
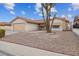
30,27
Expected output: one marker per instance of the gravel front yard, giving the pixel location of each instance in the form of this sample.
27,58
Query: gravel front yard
61,42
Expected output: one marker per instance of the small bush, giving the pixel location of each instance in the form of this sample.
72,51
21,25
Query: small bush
2,33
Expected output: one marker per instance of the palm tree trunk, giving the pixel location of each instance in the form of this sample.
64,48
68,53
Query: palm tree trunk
48,22
43,17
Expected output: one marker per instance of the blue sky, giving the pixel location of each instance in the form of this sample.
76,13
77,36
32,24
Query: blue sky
9,11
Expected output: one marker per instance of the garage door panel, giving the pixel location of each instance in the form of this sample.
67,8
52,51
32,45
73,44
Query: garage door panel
19,27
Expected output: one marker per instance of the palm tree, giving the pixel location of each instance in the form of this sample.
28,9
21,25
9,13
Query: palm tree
46,16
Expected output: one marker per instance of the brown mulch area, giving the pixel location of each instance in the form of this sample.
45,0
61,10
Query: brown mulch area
61,42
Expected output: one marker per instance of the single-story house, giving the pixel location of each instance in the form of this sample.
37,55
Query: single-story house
23,24
4,25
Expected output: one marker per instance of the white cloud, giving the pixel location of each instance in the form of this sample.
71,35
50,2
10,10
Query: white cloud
12,12
51,17
38,9
69,15
9,6
40,14
38,5
69,9
63,16
23,12
53,9
75,6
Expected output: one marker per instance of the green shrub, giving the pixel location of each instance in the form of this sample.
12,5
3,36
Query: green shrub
2,33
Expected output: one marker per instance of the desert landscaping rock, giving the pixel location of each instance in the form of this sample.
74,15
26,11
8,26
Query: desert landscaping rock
60,42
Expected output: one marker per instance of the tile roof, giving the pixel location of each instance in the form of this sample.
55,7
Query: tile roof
4,24
63,19
37,21
28,20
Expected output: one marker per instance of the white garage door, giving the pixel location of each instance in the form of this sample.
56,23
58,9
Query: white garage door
19,27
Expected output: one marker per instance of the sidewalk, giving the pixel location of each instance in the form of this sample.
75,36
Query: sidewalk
20,50
2,53
76,31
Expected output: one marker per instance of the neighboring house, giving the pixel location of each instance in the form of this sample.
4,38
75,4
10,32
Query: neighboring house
22,24
4,25
76,22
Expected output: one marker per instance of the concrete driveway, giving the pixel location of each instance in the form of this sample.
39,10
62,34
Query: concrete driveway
9,32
